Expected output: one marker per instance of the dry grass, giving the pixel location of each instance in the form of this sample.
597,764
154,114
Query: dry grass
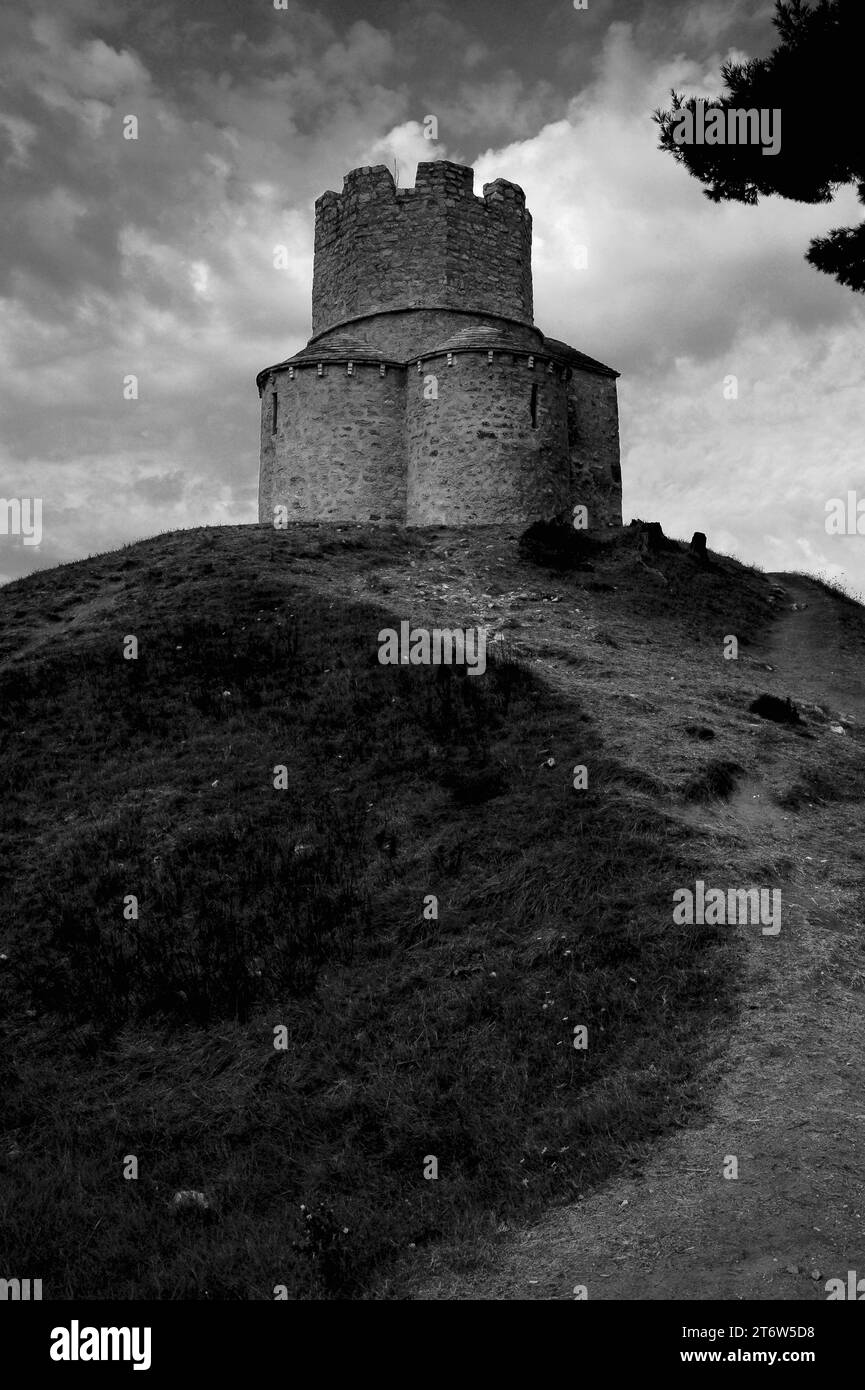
304,908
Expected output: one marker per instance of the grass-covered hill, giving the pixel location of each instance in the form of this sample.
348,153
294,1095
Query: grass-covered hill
299,915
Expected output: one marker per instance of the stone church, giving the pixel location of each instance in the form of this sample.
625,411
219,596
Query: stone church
426,396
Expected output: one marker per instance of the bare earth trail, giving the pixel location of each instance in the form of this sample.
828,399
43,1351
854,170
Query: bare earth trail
787,1099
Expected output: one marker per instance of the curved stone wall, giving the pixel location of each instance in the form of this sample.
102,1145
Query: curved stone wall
435,245
338,452
408,333
474,454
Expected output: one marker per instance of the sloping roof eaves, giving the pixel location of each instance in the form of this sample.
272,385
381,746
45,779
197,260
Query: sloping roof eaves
344,347
489,337
579,360
337,349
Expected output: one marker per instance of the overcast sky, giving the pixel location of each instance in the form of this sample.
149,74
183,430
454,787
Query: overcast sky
155,257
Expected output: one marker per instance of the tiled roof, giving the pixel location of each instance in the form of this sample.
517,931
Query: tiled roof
487,336
349,346
339,346
577,359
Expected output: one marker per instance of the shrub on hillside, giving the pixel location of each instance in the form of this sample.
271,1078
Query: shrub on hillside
557,545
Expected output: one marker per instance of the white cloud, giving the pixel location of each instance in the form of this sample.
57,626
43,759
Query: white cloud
679,293
21,135
407,145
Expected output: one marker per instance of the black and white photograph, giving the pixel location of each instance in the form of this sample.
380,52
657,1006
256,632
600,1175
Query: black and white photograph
432,637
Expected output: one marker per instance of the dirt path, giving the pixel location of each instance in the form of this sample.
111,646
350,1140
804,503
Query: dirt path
809,651
789,1103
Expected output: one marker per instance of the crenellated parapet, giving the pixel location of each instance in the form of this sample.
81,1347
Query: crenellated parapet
437,246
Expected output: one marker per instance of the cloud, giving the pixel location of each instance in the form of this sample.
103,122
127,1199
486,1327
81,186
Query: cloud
668,273
679,293
19,135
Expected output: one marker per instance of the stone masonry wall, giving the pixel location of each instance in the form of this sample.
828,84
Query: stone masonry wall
593,441
435,245
339,449
473,455
408,334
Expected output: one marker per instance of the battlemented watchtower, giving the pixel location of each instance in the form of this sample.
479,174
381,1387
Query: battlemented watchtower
434,246
426,394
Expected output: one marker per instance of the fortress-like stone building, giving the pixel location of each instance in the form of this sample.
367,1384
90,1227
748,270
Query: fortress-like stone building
426,395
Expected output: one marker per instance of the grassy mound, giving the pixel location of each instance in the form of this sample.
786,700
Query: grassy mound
406,1029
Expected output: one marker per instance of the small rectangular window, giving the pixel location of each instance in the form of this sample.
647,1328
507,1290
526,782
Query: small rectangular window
534,407
274,400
